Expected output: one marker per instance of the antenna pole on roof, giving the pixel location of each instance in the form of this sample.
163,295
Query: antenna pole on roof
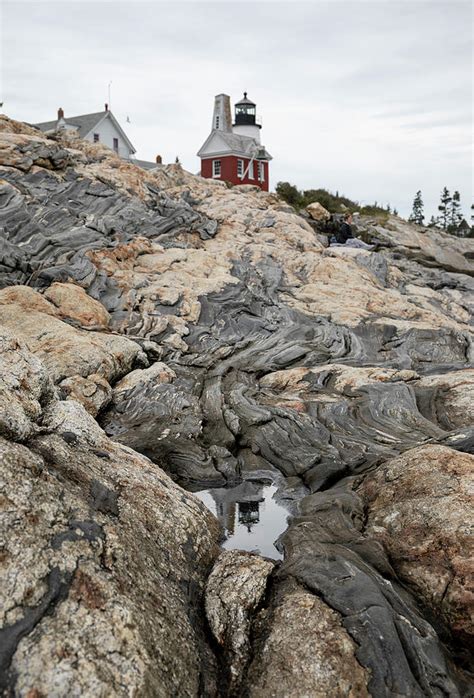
110,101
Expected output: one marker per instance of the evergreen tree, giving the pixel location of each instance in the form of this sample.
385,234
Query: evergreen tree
395,212
433,222
417,216
444,208
289,193
455,215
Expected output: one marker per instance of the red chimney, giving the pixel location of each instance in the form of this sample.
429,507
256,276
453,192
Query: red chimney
60,114
158,160
106,107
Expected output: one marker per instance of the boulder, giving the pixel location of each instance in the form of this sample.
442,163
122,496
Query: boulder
419,507
302,649
85,610
234,590
318,212
73,303
65,350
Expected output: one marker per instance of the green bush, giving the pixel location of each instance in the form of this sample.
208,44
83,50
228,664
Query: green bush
334,203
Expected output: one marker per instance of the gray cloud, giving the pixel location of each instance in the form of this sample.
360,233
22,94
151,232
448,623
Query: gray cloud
370,98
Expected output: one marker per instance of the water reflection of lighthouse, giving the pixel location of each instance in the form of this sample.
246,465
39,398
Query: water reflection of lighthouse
250,516
241,503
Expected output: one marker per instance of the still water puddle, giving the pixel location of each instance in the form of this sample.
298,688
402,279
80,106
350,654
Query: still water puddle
252,520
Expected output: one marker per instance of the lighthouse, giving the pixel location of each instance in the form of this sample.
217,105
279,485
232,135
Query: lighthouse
245,123
233,151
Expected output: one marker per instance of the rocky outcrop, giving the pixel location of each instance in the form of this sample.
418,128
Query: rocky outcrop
418,506
211,331
105,557
235,588
302,649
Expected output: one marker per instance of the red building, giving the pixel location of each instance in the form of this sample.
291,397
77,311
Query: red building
233,152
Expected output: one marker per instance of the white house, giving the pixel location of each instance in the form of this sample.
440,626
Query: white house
100,127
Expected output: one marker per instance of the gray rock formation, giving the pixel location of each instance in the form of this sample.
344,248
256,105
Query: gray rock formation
157,322
104,557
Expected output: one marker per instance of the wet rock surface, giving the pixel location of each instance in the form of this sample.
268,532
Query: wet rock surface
155,321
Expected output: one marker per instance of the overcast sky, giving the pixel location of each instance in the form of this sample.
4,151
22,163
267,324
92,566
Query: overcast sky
372,99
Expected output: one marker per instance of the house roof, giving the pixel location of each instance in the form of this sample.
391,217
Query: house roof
144,164
233,143
85,123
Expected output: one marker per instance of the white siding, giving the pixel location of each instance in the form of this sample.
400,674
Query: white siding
107,132
247,130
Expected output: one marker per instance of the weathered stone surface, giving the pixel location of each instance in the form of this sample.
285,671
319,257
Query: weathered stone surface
237,346
420,507
93,602
327,551
304,651
67,351
24,386
234,590
318,212
154,375
94,392
73,303
448,398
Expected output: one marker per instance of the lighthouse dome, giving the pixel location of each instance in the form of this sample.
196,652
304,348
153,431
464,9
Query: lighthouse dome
246,122
246,112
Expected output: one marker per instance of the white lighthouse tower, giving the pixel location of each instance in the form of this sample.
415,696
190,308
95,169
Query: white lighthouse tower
246,119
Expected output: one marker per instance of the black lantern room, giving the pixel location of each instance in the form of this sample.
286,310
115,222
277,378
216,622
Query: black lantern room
245,112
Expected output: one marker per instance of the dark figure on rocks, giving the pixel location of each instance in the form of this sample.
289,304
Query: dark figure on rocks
344,236
345,231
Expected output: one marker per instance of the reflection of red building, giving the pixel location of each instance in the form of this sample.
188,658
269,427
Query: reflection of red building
233,152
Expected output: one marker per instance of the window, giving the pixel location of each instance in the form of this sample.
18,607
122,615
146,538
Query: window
250,172
261,171
216,168
96,137
240,168
217,121
116,145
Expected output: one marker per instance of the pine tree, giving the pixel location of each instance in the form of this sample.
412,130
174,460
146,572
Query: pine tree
395,212
433,222
444,208
455,215
417,216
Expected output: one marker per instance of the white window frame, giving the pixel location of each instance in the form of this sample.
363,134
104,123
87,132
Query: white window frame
250,170
216,168
261,172
240,168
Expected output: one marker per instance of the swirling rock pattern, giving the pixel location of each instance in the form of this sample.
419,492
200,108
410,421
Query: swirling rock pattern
210,330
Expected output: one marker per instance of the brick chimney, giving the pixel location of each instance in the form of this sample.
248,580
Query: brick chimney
158,160
60,113
106,107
